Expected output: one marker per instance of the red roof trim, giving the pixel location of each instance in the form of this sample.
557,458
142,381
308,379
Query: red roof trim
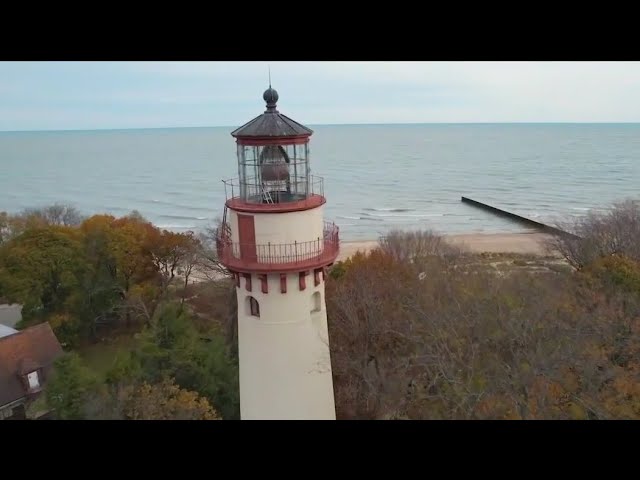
314,201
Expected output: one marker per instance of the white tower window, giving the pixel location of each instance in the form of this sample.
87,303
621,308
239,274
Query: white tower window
316,302
252,307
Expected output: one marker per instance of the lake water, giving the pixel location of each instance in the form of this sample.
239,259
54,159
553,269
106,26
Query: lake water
377,177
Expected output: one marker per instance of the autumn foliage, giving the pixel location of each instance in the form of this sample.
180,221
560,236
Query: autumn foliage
164,401
92,278
417,330
430,340
86,275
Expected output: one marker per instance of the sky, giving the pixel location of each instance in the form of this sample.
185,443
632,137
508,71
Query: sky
112,95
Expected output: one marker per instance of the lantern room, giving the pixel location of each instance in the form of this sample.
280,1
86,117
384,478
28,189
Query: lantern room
273,158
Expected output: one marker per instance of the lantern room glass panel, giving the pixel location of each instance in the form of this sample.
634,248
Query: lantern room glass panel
273,173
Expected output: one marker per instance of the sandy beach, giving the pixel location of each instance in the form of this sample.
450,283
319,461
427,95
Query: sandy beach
522,243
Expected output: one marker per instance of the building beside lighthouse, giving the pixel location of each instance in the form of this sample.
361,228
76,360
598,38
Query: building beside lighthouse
275,241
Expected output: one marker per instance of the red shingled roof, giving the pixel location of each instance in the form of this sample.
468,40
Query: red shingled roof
34,347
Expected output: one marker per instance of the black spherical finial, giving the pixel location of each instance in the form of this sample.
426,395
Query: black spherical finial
271,97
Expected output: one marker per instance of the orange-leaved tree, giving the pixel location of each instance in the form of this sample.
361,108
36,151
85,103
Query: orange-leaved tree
164,401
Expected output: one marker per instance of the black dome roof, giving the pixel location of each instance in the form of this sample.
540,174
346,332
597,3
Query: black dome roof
271,123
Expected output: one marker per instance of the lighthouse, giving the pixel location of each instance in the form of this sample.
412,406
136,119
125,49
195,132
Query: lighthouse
276,243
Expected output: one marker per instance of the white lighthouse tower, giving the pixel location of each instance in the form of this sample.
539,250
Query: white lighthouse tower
276,243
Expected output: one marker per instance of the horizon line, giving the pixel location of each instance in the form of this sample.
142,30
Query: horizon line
325,125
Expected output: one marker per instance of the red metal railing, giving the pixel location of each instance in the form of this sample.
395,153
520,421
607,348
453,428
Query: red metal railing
278,256
252,190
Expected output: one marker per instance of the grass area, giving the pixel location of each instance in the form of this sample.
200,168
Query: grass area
99,357
38,407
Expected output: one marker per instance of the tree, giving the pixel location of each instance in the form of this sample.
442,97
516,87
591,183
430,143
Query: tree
53,215
121,265
128,243
172,253
137,216
143,401
172,347
366,326
57,214
70,387
599,235
208,263
41,269
75,393
101,289
122,282
415,246
616,272
165,401
190,261
460,342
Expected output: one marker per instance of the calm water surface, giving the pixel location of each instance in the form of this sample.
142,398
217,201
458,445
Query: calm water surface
377,177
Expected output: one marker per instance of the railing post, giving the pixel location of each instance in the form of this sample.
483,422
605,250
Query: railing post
269,254
295,249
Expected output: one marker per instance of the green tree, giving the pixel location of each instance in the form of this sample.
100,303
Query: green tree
43,269
70,387
173,347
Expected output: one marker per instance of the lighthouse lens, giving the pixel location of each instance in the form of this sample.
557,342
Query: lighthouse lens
274,164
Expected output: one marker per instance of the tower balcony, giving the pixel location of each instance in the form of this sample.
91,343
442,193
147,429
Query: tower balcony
278,257
287,194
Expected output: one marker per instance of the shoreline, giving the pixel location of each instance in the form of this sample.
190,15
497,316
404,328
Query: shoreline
531,243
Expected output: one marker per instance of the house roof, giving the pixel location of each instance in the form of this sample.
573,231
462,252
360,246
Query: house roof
271,123
32,348
6,331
